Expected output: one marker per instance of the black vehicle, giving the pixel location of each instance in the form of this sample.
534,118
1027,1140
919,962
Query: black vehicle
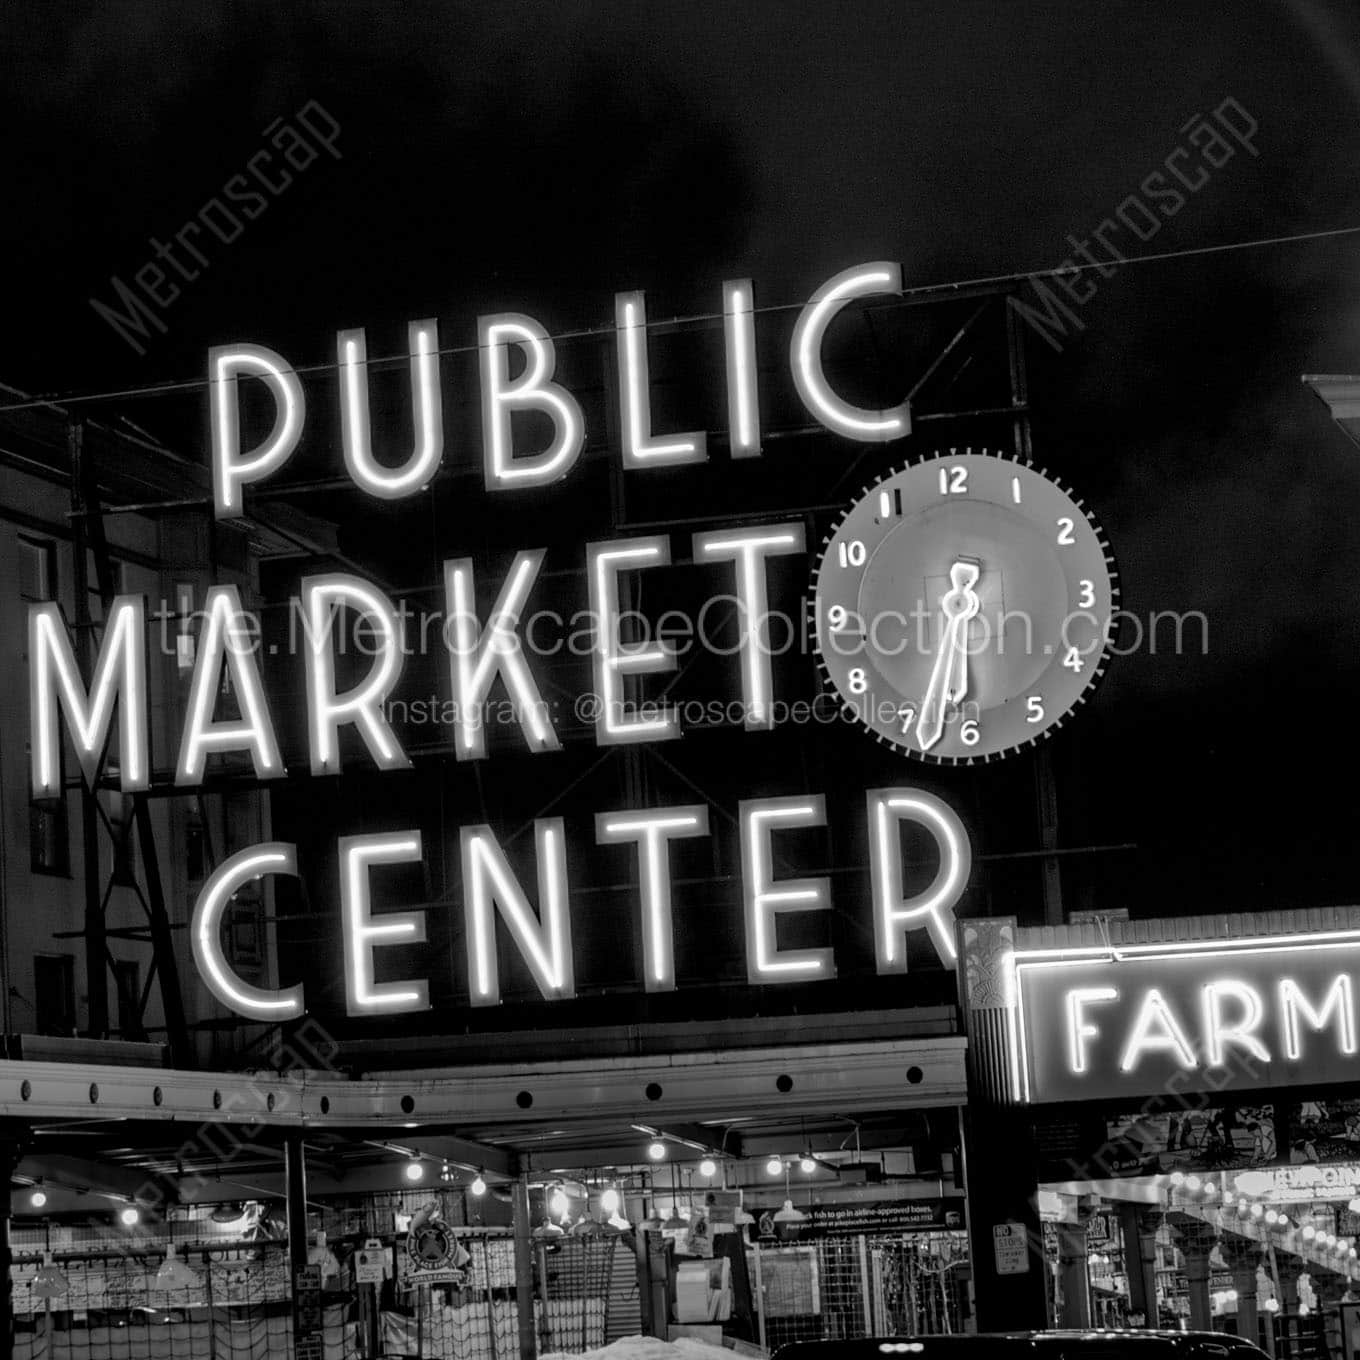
1056,1345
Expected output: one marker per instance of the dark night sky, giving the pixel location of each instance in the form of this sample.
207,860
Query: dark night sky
541,156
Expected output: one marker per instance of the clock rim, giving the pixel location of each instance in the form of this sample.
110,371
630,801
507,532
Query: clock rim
828,685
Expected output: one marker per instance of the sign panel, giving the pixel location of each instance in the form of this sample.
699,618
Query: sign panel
909,1215
1010,1247
1112,1022
371,1262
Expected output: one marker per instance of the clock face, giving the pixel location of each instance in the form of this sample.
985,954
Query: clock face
963,606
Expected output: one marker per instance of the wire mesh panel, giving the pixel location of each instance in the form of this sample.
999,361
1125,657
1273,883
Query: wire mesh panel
230,1305
474,1319
574,1279
920,1283
837,1288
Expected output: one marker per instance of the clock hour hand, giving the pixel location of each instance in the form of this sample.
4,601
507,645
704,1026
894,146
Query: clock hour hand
949,675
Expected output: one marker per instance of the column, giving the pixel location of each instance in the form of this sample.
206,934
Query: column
999,1176
1195,1238
1138,1226
10,1154
1242,1256
1072,1271
306,1280
524,1266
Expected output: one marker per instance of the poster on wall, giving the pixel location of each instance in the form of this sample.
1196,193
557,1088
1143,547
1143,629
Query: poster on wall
1207,1139
1324,1131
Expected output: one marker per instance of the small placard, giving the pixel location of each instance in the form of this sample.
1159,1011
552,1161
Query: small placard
371,1262
1010,1245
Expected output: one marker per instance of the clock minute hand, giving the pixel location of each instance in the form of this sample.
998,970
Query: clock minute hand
949,675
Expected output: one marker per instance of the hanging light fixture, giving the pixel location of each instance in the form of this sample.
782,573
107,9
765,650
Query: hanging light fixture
38,1198
130,1217
174,1274
807,1164
50,1282
774,1166
788,1214
708,1167
673,1219
415,1170
559,1206
478,1186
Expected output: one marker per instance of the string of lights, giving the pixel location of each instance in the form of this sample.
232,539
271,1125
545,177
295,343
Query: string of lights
1065,270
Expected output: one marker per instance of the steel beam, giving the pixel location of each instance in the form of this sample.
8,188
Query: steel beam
890,1074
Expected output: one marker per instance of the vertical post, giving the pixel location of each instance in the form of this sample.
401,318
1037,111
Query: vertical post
295,1177
524,1267
760,1297
1196,1240
864,1284
96,942
1076,1281
306,1280
1046,790
10,1155
1140,1260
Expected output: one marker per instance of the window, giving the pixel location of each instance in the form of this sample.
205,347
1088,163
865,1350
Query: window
49,836
127,974
245,932
54,989
37,569
195,850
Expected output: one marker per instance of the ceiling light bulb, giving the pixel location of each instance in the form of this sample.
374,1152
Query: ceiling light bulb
478,1186
38,1198
708,1167
130,1217
656,1150
415,1170
774,1166
806,1165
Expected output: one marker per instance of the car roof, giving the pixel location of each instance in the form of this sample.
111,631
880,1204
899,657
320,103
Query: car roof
1070,1338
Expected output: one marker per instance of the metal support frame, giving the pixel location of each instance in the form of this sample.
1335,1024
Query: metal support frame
89,539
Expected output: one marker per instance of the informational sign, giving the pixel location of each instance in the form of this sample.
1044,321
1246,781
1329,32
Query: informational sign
1301,1184
911,1215
1010,1248
307,1315
372,1262
1109,1021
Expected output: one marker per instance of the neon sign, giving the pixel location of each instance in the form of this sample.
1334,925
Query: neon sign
505,467
1221,1015
517,369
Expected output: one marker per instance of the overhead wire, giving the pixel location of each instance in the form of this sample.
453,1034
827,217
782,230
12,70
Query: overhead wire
1064,270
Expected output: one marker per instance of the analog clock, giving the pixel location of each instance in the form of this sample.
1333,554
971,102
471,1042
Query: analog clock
963,606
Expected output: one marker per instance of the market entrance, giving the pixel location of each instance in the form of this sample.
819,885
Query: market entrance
751,1195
